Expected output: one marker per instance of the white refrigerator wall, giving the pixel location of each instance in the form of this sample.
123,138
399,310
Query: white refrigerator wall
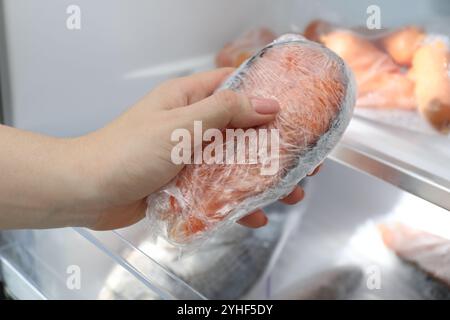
354,12
68,82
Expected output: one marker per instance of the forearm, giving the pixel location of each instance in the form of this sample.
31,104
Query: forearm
43,181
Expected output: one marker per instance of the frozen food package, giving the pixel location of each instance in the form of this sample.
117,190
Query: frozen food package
316,93
400,69
335,283
239,50
428,252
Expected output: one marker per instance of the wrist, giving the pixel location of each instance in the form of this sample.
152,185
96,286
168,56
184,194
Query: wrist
82,171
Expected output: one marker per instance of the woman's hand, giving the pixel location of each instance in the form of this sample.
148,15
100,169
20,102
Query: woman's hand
101,180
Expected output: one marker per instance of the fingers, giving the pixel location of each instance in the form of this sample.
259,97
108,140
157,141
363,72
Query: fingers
227,109
298,193
184,91
201,85
258,218
255,219
295,196
315,171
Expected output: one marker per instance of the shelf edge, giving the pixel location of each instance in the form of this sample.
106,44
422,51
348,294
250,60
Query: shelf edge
396,172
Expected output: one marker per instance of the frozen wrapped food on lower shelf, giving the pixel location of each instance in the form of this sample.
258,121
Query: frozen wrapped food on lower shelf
429,252
335,283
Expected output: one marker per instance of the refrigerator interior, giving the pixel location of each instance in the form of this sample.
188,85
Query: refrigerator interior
67,83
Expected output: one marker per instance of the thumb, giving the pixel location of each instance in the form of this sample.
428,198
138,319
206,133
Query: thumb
228,109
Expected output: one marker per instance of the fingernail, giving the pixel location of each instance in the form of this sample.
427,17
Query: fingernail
314,171
265,106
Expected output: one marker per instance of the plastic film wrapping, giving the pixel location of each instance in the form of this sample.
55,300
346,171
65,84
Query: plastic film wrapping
316,93
427,251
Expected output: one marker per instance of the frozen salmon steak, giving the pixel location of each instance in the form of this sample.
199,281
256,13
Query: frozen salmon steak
316,93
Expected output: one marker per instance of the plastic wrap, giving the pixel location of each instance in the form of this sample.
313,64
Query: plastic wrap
429,252
406,68
316,93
